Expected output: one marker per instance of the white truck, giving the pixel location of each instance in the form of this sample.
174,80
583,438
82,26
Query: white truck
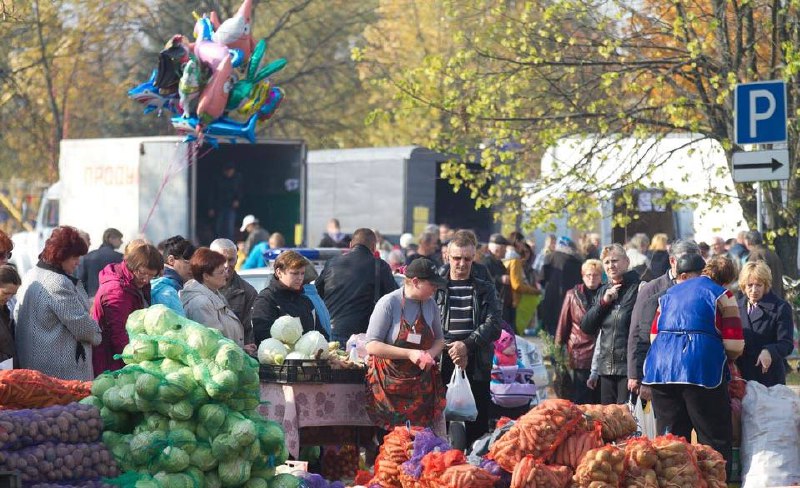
157,187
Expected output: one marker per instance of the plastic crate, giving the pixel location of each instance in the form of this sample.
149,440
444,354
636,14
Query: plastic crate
309,371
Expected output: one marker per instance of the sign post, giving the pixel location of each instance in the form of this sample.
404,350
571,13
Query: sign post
760,118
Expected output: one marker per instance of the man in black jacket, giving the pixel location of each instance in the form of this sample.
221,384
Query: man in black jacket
611,314
94,262
352,283
471,318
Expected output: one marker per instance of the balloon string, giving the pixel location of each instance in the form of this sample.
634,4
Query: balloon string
192,158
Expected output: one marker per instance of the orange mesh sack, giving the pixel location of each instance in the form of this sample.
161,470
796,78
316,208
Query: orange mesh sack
640,464
27,388
711,465
600,468
530,473
570,452
395,450
617,420
467,476
677,462
538,433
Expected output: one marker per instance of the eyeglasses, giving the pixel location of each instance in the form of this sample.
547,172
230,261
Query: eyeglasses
7,255
144,275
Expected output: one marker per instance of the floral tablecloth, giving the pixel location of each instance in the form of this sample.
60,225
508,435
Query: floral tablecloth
313,405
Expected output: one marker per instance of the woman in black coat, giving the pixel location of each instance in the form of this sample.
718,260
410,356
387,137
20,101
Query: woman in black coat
767,324
284,296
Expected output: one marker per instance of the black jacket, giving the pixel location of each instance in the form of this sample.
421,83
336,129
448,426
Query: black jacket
614,320
496,270
639,344
659,263
649,289
94,262
768,327
347,285
562,272
277,300
486,314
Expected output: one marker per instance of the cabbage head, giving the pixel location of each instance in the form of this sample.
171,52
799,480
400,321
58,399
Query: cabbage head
145,445
212,479
141,349
311,344
212,416
144,405
183,438
222,384
256,483
147,386
203,340
284,480
234,472
272,351
174,480
171,366
135,323
159,319
154,421
225,447
203,458
173,459
182,410
93,401
182,424
229,356
286,329
102,383
271,436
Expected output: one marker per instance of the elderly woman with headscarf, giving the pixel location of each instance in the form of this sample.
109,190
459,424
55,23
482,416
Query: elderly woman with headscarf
560,273
55,331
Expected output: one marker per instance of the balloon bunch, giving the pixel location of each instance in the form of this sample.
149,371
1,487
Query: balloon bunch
215,85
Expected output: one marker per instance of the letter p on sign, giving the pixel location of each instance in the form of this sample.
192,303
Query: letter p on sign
760,112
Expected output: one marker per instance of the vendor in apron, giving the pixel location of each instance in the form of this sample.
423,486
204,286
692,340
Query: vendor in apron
403,339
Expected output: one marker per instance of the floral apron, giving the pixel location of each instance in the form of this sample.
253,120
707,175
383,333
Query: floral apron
400,390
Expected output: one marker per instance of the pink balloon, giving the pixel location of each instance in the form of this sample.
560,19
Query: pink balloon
210,53
215,94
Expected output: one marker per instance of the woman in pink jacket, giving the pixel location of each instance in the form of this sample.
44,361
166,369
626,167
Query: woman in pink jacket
124,287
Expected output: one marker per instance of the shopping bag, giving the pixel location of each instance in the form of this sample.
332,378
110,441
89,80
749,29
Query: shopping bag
645,419
460,404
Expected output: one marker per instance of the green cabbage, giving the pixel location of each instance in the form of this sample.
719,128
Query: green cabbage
159,319
172,349
234,472
286,329
203,341
256,483
272,351
262,471
212,479
154,421
127,376
183,438
171,366
222,385
135,323
203,458
313,344
173,459
284,480
147,386
183,379
93,401
143,404
182,424
229,356
225,447
244,431
153,367
140,349
197,476
174,480
252,451
102,383
212,416
112,399
271,436
182,410
145,446
127,395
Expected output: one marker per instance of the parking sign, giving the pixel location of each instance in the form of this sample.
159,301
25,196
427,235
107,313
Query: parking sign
760,112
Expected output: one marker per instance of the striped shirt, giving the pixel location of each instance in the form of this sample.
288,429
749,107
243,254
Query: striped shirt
459,303
728,323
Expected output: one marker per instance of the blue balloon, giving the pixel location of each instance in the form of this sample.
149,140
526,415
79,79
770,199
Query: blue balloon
223,127
147,94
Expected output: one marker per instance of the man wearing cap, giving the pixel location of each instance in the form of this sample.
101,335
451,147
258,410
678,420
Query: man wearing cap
677,250
403,338
696,329
561,272
493,261
471,315
255,233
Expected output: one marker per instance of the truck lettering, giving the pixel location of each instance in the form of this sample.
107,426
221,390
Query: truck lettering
110,175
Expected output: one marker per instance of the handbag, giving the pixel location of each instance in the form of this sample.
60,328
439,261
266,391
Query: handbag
460,403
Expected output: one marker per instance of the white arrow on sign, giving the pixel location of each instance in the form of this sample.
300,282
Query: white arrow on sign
761,165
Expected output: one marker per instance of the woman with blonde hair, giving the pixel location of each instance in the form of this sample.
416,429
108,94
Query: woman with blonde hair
767,324
659,257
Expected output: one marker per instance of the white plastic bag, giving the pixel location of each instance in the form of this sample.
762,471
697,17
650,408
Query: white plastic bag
460,402
645,418
770,449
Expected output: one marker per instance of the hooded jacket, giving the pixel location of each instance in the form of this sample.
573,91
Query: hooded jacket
208,307
116,298
277,300
165,291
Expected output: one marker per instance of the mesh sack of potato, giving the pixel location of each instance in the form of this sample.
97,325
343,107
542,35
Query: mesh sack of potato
677,463
617,420
711,465
538,433
586,437
532,473
640,464
600,467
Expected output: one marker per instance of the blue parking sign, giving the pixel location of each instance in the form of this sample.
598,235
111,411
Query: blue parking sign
760,112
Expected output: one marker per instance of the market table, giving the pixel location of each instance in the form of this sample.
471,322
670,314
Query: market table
302,405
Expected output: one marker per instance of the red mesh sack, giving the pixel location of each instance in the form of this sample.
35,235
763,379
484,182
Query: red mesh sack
602,465
640,464
467,476
531,473
618,422
711,465
570,452
677,462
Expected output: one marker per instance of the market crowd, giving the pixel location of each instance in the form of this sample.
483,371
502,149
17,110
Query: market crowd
672,322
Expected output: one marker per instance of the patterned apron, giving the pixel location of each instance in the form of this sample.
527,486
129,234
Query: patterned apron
400,390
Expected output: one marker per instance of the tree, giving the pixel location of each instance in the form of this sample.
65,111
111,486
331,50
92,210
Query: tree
528,74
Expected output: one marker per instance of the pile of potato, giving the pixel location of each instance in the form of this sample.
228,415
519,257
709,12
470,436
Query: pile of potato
617,421
60,462
601,465
70,423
